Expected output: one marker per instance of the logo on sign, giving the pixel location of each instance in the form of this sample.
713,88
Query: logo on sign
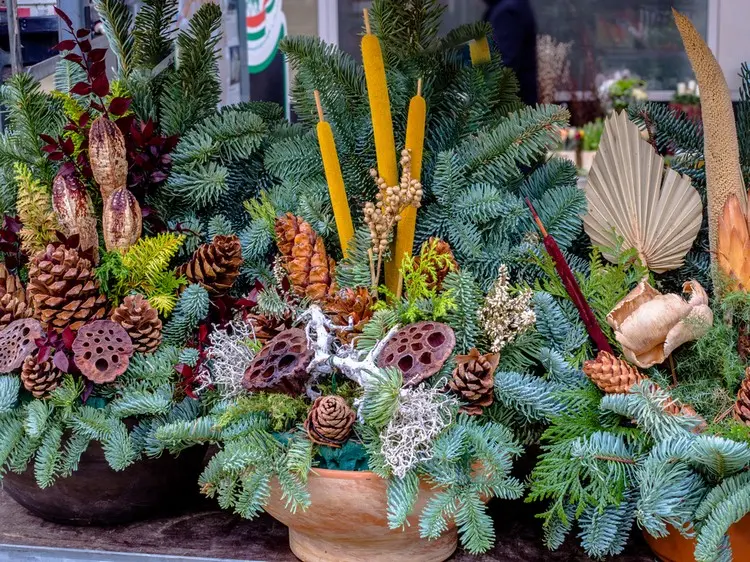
266,26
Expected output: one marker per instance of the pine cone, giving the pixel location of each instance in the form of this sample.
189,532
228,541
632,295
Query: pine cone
307,264
10,283
610,374
474,381
40,378
265,328
437,247
12,309
216,265
330,421
355,304
742,405
63,289
141,322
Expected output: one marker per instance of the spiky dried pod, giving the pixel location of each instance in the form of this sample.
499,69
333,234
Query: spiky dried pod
121,220
108,156
75,211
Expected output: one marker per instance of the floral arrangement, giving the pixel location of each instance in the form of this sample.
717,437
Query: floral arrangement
619,90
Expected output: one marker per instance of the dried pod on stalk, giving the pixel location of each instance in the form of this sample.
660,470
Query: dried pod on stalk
75,211
108,156
121,220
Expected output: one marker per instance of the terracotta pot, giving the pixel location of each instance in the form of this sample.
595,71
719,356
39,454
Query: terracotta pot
676,548
347,522
97,495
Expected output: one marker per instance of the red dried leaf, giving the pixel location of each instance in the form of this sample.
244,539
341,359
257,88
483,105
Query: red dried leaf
85,46
100,86
84,119
68,336
60,360
55,156
44,352
63,16
83,32
97,55
99,107
48,139
74,57
81,89
68,147
49,148
119,106
66,45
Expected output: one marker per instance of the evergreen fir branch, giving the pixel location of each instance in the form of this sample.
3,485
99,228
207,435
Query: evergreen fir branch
467,297
219,225
557,527
22,453
153,370
719,457
142,402
475,526
67,75
75,446
117,20
191,309
118,446
152,33
354,270
433,521
38,414
299,457
294,494
254,494
148,258
724,505
529,396
48,458
560,209
376,329
182,434
606,531
11,433
10,386
402,497
381,397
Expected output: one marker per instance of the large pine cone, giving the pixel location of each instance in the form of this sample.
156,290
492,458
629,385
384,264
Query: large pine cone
474,380
141,322
742,405
610,374
216,265
306,261
355,304
437,247
40,378
63,289
265,328
330,421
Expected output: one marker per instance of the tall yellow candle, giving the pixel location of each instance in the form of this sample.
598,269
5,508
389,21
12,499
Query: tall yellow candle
335,180
415,125
382,125
479,50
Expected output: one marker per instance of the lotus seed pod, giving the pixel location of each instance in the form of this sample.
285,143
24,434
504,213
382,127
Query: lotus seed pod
75,212
108,156
121,220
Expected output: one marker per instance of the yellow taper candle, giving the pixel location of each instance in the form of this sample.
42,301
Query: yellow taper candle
415,125
382,125
335,179
479,50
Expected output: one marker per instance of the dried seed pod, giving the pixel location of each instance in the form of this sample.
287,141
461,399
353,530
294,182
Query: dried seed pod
281,366
121,220
75,211
17,341
108,156
102,351
419,350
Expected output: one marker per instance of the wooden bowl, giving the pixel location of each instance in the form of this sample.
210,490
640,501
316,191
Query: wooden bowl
676,548
97,495
347,521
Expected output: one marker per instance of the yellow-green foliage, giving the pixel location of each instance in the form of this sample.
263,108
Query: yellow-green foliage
145,269
283,411
34,206
73,110
262,209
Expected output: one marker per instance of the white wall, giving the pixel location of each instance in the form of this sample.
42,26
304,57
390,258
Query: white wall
732,41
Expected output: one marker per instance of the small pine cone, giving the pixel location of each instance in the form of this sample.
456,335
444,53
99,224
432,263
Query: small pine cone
40,378
330,421
216,265
440,248
474,380
10,283
265,328
13,309
307,264
141,322
610,374
355,304
63,289
742,405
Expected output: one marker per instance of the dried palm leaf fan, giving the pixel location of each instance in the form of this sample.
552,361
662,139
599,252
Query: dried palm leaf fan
633,198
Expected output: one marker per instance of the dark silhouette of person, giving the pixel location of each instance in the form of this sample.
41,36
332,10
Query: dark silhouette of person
515,35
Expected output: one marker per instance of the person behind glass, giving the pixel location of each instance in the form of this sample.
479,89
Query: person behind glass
514,31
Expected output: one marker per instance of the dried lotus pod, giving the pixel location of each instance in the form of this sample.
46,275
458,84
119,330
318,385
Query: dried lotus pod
121,220
75,211
281,366
17,341
108,156
419,350
102,351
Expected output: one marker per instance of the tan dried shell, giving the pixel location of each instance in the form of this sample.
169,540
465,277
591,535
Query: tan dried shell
75,211
630,195
650,326
121,220
108,156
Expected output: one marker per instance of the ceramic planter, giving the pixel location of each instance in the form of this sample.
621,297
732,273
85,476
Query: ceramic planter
346,521
97,495
587,159
676,548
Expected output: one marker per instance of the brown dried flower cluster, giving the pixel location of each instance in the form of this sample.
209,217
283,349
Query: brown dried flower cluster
504,316
383,215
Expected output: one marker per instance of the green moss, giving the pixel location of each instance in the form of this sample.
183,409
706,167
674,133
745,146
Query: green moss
284,412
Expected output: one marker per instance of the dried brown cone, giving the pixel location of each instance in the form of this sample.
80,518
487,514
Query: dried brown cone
329,421
10,283
215,265
40,378
474,380
440,248
265,328
12,309
141,322
742,405
611,374
355,304
307,264
63,289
